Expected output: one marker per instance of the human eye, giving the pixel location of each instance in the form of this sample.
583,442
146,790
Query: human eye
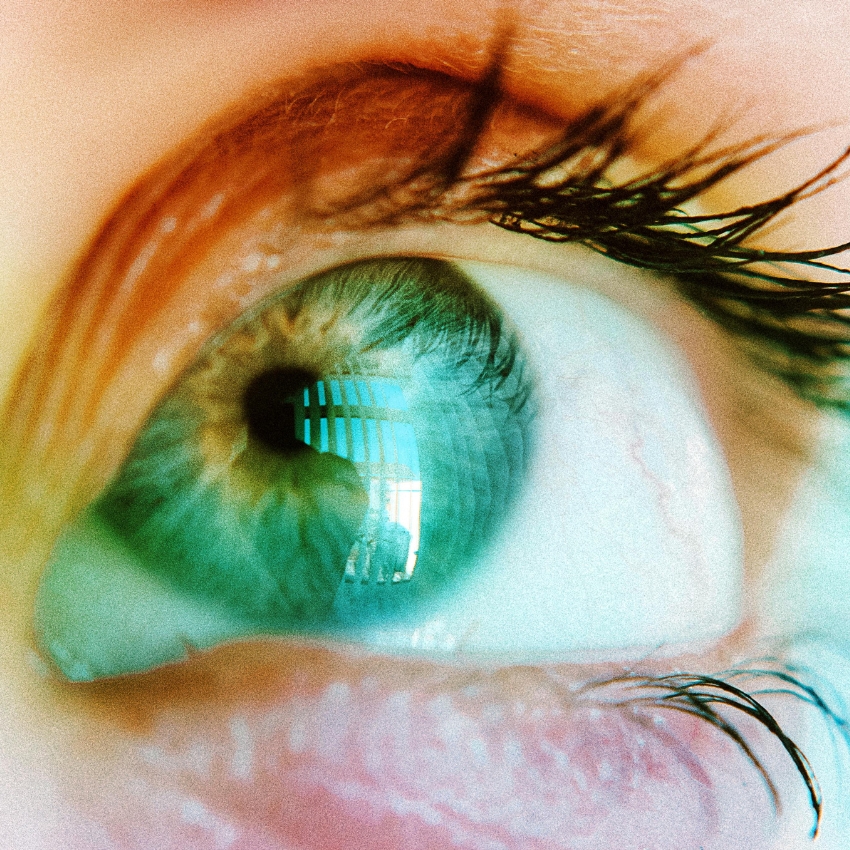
247,289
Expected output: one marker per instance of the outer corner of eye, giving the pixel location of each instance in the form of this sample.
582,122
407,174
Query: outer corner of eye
417,456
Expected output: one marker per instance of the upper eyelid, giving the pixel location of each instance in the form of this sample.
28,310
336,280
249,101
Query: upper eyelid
166,223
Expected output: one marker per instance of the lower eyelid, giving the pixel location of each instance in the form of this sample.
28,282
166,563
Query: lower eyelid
286,744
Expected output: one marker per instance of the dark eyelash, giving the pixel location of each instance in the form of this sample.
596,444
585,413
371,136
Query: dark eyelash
706,697
782,305
789,320
751,291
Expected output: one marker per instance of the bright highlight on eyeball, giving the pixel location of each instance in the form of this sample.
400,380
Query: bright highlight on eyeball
417,457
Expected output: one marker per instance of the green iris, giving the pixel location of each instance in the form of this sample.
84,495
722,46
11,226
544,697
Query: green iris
339,455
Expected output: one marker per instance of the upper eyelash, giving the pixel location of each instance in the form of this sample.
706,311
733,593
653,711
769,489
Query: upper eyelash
750,291
773,301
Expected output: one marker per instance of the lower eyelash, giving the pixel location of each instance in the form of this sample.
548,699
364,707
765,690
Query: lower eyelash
707,697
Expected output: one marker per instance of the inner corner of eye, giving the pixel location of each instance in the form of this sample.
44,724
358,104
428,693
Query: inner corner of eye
417,456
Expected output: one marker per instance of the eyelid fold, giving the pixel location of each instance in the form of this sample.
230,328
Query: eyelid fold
227,220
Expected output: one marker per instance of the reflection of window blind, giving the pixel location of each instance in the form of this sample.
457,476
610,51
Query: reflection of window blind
365,418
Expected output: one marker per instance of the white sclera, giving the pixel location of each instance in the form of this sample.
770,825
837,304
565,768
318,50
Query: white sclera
627,534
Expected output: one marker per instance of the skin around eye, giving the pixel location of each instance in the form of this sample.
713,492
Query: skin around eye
97,94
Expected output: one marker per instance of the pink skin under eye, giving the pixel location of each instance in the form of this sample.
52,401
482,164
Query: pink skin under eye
276,746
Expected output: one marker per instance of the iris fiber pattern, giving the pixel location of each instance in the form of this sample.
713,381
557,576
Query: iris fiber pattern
341,454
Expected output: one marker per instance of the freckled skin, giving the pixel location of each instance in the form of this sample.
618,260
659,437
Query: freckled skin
289,747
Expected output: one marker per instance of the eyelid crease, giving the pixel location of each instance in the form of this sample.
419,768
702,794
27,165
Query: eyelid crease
790,324
163,232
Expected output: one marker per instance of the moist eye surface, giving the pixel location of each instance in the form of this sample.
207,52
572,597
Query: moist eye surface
376,456
338,456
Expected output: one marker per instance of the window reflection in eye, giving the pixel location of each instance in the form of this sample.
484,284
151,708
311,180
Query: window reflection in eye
308,430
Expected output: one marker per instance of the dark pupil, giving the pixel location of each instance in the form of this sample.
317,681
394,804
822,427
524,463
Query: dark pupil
270,401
